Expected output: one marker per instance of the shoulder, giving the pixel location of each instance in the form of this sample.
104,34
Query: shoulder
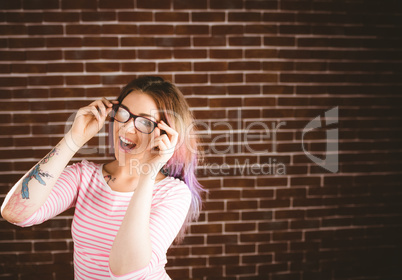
173,188
83,166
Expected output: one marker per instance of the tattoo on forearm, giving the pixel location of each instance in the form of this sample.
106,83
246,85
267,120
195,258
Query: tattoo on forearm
38,174
16,206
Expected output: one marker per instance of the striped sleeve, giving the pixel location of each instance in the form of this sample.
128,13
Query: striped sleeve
62,196
167,217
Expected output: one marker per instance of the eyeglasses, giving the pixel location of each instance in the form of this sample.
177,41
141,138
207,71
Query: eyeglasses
121,114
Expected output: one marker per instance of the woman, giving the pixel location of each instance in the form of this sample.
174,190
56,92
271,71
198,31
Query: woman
130,210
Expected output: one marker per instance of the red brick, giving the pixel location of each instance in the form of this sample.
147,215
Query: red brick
13,29
239,249
102,91
208,16
190,54
45,29
225,102
178,273
138,66
227,29
226,4
279,41
245,65
82,80
210,228
174,66
261,53
208,271
83,29
261,5
172,42
120,4
119,29
13,81
191,29
26,42
16,246
12,55
29,93
244,41
62,67
226,78
223,54
261,29
50,245
140,41
61,16
101,16
244,16
156,29
102,67
118,54
171,16
4,68
244,204
191,78
100,41
191,5
240,269
28,68
23,17
244,90
152,4
64,42
154,54
85,4
40,5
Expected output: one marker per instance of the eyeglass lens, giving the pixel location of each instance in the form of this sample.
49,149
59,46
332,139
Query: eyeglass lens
142,124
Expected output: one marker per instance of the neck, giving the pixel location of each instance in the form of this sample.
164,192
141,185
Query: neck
127,172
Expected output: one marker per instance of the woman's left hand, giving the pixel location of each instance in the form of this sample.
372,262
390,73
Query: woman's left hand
161,148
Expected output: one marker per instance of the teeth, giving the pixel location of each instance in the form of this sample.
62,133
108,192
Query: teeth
126,141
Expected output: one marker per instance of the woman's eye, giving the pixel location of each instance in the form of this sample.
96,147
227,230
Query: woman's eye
122,114
146,122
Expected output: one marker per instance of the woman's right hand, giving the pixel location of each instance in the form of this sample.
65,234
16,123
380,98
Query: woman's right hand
89,120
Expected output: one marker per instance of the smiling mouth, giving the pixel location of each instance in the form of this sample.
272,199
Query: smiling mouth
125,144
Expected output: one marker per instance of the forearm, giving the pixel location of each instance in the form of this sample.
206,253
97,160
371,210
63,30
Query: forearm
132,247
32,190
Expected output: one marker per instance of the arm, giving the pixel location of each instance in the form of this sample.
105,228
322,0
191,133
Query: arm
32,190
168,213
132,248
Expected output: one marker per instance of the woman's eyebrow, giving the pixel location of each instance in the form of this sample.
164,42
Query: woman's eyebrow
140,114
146,115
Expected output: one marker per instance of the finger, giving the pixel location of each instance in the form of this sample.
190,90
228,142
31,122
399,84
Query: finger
95,112
101,107
155,134
174,135
165,139
107,102
160,145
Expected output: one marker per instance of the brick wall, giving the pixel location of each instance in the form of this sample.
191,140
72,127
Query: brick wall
255,72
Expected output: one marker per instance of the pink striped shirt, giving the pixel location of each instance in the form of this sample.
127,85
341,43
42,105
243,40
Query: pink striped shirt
99,212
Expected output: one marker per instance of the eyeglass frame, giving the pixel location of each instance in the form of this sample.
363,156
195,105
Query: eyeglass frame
132,116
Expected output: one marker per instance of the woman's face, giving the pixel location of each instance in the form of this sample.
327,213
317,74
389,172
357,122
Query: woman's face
129,142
